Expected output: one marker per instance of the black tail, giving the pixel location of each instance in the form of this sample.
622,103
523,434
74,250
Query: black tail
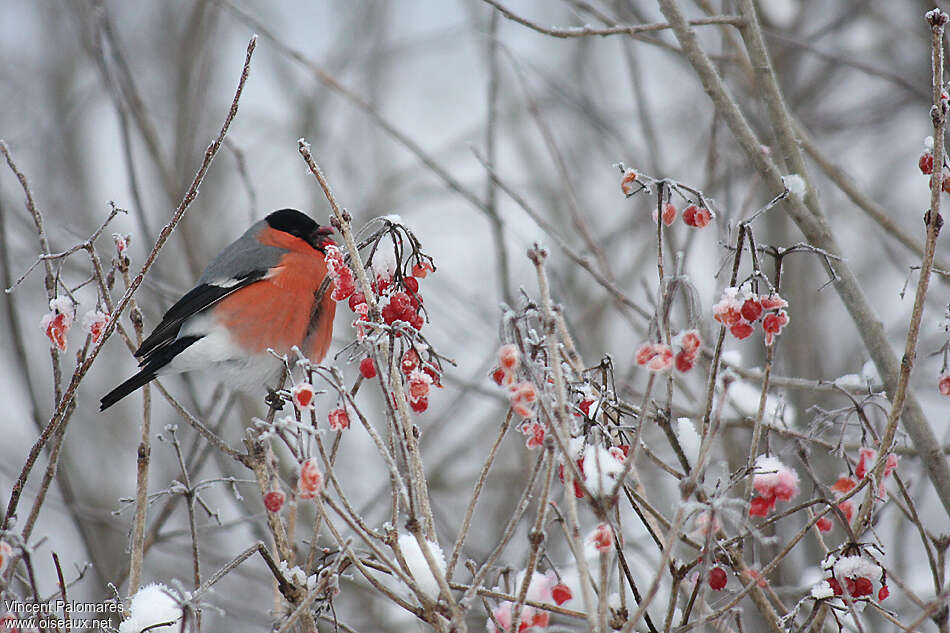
130,385
150,369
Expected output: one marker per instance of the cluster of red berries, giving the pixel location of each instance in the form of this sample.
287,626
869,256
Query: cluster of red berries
522,395
858,575
400,301
659,357
866,459
740,311
419,378
697,217
694,215
926,165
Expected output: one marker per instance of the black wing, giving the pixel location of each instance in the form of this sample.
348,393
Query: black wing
199,298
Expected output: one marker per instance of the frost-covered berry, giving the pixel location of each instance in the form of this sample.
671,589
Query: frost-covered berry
94,322
602,537
509,357
302,395
310,482
926,163
367,368
717,578
626,183
338,419
943,383
669,214
274,500
57,322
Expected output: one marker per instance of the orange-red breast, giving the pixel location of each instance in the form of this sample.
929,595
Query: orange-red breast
258,293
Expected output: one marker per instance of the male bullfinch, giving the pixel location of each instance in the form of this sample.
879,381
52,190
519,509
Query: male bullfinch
258,293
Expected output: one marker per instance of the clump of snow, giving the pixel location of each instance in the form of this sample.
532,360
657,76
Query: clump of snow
856,567
822,590
152,604
870,374
419,567
795,185
744,397
689,439
601,470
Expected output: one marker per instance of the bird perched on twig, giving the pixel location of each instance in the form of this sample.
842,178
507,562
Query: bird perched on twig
262,291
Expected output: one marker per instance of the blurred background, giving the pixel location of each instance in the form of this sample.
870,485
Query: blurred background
107,100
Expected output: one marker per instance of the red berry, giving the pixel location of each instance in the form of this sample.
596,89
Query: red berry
946,184
274,500
421,269
410,360
561,593
717,578
418,389
689,215
702,218
883,593
411,284
926,163
338,419
416,321
835,586
390,313
862,587
419,405
498,375
943,383
741,330
432,373
356,299
760,506
367,368
751,310
585,406
684,360
669,214
824,524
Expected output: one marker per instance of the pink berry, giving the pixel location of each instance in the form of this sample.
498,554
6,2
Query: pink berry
741,330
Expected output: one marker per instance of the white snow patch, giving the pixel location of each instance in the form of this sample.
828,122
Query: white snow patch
689,439
419,567
795,184
152,604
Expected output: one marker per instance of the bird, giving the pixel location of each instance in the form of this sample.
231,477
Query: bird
259,293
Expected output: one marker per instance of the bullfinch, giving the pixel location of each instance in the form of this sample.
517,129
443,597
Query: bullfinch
260,292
